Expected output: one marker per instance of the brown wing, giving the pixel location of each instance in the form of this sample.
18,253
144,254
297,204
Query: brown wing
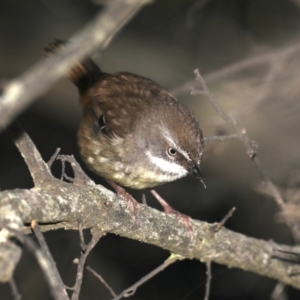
123,98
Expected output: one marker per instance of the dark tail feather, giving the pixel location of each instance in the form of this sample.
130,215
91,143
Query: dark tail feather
83,74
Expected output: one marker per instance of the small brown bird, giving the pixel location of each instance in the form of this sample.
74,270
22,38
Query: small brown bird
133,131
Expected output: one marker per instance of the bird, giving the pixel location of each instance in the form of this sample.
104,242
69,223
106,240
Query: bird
133,132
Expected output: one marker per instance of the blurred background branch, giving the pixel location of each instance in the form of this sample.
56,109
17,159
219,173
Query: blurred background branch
21,91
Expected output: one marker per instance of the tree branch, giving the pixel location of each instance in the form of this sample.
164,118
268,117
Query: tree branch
250,150
269,58
20,92
61,204
57,289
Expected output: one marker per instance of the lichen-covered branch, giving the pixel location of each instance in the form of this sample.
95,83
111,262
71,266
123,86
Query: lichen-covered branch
61,205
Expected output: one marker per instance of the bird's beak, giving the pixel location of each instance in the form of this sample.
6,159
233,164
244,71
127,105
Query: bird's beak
196,172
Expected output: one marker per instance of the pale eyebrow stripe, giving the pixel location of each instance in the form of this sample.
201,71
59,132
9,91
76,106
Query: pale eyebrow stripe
181,151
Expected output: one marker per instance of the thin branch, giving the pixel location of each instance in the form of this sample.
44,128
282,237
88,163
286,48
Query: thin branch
132,289
220,138
144,199
57,291
250,150
208,280
279,292
14,290
23,90
41,240
81,236
79,275
100,278
39,170
224,220
287,254
275,69
235,68
53,158
45,250
79,176
191,14
205,91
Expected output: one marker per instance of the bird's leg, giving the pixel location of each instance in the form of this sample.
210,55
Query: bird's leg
168,209
132,204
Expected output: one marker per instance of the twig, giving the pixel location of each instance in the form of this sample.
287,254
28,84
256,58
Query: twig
205,91
44,248
249,150
41,240
131,290
195,7
21,91
14,290
57,290
39,170
220,138
53,158
250,62
64,174
290,255
279,292
79,176
98,276
208,280
224,220
79,275
81,235
144,199
275,69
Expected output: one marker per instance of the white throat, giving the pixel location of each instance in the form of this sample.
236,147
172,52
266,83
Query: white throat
172,170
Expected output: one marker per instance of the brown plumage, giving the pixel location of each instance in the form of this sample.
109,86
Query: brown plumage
133,131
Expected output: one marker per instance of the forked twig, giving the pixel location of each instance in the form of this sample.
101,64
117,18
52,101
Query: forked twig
79,176
248,144
131,290
53,158
81,262
250,62
53,279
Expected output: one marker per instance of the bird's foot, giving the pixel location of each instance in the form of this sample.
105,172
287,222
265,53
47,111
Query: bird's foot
132,204
168,209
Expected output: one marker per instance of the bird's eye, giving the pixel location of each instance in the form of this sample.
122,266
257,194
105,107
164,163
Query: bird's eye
172,151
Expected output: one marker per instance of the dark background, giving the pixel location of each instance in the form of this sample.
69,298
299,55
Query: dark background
166,42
